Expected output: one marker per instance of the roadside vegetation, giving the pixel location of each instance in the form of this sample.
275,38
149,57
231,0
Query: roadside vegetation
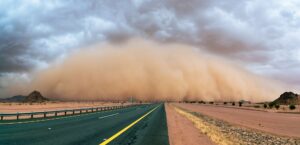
292,107
240,104
277,106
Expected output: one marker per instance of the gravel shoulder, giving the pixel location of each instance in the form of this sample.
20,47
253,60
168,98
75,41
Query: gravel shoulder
182,131
280,124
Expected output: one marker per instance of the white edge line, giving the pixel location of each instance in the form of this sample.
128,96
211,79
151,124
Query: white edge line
108,115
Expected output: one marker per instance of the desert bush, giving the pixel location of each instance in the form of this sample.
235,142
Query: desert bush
292,107
271,105
233,103
277,106
265,106
256,106
211,102
240,104
225,103
201,102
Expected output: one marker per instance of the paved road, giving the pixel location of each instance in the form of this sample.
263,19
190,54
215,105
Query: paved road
135,125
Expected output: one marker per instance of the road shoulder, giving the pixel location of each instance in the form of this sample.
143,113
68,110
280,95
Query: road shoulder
182,131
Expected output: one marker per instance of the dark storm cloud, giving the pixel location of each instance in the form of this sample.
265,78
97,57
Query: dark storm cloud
256,33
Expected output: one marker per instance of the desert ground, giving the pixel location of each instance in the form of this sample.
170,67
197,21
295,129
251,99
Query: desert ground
51,106
283,124
259,107
224,124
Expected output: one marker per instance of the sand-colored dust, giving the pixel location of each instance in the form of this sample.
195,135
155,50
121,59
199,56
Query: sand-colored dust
149,71
182,131
275,123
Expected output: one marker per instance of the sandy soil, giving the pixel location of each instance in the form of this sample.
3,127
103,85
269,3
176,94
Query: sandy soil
36,107
275,123
182,131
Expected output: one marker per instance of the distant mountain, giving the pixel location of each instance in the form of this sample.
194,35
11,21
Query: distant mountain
18,98
287,98
35,96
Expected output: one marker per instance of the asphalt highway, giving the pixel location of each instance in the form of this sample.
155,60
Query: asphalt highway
140,125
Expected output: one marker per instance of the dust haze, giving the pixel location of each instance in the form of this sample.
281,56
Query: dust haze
150,71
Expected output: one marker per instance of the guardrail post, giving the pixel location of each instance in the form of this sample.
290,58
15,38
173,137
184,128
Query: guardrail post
72,112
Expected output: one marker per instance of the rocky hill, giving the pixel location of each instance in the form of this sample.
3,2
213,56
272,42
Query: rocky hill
34,96
288,98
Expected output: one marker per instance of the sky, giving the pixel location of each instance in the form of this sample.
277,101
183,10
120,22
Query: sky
262,36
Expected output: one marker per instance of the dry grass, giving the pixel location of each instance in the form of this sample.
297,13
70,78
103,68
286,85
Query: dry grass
211,131
50,106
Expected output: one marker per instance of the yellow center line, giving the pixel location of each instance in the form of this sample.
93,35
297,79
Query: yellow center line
126,128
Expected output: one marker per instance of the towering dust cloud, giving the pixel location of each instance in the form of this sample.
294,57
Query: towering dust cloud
150,71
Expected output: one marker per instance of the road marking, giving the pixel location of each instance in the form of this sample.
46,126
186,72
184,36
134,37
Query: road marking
108,115
126,128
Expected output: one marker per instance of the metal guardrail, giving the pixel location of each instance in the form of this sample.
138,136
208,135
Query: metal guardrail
56,113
